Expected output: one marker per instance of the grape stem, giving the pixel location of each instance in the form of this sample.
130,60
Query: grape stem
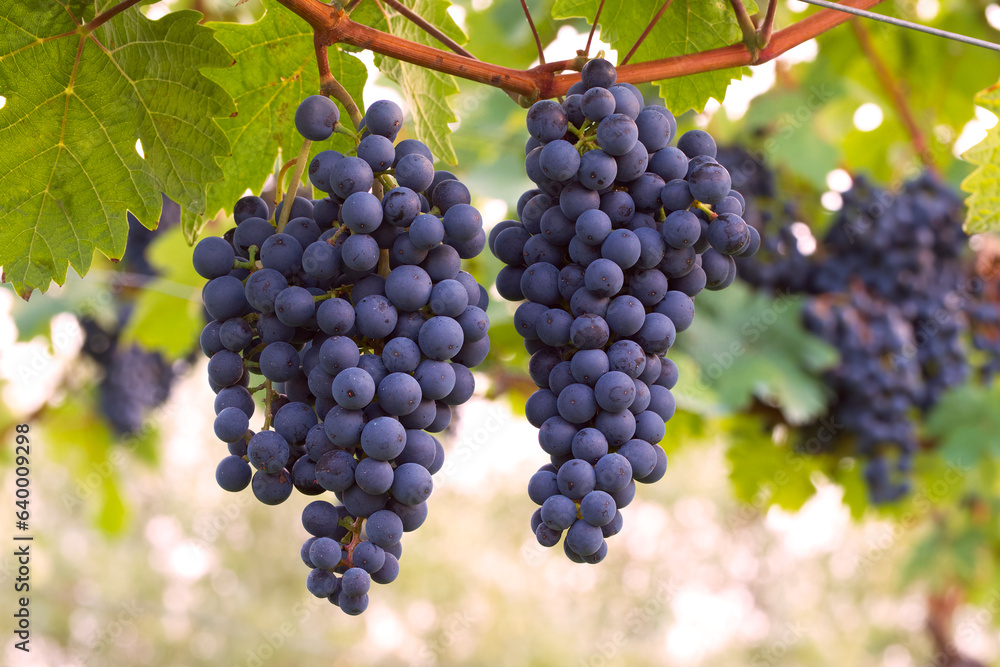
355,540
383,263
268,397
293,187
332,26
712,215
330,87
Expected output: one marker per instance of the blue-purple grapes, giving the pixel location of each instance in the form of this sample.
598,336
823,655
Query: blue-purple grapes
345,325
606,257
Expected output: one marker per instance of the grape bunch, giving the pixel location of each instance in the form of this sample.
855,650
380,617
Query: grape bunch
621,233
360,326
134,380
888,288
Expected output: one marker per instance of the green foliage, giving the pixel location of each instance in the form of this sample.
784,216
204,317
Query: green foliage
76,103
765,472
983,185
686,27
84,443
274,69
749,346
168,312
426,91
967,424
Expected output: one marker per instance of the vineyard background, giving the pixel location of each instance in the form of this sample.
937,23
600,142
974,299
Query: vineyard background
748,552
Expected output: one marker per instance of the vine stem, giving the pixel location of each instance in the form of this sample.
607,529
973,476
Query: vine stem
534,32
645,33
767,28
750,36
329,85
593,28
332,26
427,27
293,186
104,17
895,92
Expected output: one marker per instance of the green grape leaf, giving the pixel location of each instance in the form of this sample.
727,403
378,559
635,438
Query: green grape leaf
426,91
85,444
750,346
765,473
77,101
168,312
274,70
983,185
967,424
685,27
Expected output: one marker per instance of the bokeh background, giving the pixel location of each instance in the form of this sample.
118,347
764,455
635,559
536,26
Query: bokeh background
748,552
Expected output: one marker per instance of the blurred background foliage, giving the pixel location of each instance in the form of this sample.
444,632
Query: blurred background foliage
749,552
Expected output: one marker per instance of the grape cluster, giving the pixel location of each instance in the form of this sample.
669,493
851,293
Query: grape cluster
134,380
621,233
889,288
364,327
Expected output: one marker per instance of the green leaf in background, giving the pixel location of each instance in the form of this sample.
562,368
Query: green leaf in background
426,91
76,104
764,472
84,443
686,27
750,346
168,312
967,423
983,185
274,70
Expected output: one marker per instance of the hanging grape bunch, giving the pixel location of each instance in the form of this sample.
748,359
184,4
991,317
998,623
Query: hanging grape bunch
363,326
887,288
619,236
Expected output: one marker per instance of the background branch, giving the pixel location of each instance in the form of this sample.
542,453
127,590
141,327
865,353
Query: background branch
645,33
593,27
427,27
896,94
534,32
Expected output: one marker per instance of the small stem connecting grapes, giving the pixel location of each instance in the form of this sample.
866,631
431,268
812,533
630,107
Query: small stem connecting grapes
387,181
355,533
268,397
712,215
293,187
